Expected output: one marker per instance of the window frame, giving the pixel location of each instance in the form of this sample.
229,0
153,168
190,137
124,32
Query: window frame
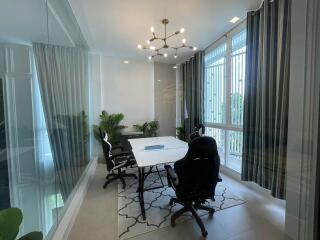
228,126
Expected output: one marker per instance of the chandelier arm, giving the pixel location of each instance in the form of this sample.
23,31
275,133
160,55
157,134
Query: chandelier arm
157,50
186,46
173,34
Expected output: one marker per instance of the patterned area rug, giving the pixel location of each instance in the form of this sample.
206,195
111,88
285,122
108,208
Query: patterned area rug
158,211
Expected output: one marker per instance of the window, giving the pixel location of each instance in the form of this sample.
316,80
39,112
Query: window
224,94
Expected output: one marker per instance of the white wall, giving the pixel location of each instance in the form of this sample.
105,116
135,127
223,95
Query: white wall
128,89
165,98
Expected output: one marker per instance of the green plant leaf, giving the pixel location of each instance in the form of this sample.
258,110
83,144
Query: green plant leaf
32,236
10,220
110,123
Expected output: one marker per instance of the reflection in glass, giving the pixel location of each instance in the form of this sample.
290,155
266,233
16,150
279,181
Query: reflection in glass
43,148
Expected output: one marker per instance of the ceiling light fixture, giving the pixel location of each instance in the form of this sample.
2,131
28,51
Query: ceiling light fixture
174,67
165,46
234,19
125,61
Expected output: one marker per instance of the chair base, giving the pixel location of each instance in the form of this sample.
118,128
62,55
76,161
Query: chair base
120,175
190,207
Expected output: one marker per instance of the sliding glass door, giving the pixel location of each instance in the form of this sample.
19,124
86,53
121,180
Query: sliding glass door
224,94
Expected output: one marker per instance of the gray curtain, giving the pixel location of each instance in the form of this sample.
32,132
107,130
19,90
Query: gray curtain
192,78
267,96
63,79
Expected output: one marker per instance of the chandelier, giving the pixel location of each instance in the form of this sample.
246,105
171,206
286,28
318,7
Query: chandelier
161,51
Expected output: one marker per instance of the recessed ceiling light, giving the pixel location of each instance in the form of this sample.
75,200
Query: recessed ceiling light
125,61
159,80
174,67
234,19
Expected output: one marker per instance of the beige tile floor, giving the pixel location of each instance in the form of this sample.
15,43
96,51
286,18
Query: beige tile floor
259,218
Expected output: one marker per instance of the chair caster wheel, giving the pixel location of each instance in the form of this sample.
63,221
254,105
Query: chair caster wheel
171,203
211,213
172,223
135,177
205,234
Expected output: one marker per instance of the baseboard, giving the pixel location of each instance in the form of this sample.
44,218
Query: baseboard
74,202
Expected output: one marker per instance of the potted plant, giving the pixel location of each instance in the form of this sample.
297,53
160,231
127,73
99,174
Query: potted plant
181,134
10,220
110,123
149,129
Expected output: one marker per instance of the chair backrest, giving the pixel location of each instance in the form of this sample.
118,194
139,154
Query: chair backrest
199,131
106,147
198,171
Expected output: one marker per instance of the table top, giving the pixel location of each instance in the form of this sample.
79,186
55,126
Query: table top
174,149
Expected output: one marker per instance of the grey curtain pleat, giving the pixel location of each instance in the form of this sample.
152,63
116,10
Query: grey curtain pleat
63,80
192,77
267,96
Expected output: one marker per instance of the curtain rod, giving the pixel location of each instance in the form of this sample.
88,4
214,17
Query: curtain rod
243,20
225,34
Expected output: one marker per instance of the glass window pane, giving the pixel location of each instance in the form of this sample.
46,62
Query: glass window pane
235,140
215,85
238,64
220,137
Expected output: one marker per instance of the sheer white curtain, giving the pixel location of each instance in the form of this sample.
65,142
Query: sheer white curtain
64,88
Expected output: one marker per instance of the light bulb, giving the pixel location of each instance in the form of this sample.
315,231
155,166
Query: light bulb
152,48
165,54
140,46
148,42
194,48
184,40
174,67
175,56
181,30
234,19
152,29
149,57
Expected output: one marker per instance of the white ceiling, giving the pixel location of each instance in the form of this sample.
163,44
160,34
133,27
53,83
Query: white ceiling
26,22
115,27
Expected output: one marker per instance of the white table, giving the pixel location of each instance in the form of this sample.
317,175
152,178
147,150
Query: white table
174,150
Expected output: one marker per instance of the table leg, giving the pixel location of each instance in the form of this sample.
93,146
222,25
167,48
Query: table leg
140,192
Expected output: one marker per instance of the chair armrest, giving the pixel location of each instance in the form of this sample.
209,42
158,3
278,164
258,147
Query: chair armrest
121,154
173,178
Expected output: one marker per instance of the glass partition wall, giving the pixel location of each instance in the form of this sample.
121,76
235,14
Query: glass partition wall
44,108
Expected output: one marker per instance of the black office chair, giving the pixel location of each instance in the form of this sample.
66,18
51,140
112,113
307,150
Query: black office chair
116,162
194,179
